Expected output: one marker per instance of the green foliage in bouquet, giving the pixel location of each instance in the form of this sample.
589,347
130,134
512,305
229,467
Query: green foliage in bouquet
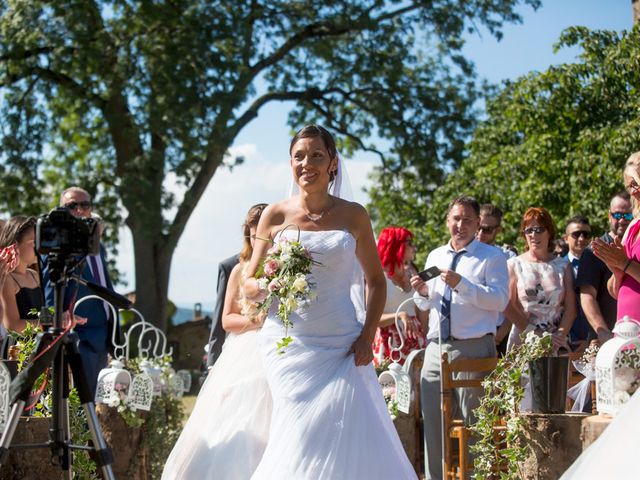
284,274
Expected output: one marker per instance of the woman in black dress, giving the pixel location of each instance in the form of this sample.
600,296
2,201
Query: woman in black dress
21,292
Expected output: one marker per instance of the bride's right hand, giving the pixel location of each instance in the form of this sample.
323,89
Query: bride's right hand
362,351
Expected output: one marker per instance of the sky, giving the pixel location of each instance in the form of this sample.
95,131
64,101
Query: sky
214,233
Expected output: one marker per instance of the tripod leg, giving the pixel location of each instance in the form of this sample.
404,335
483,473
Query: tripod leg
103,455
102,449
10,430
60,433
67,463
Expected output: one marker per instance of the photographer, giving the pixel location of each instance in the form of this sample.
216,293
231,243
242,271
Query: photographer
95,334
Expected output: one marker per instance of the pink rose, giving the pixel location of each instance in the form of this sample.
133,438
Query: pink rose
271,267
273,285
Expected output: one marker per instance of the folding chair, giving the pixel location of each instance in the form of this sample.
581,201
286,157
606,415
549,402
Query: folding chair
456,463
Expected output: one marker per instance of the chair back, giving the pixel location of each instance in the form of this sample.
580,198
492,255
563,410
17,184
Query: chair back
452,378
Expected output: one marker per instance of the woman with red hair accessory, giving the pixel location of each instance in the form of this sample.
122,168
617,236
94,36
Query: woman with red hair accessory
397,254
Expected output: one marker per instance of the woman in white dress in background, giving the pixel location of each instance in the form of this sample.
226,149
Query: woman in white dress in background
228,429
329,419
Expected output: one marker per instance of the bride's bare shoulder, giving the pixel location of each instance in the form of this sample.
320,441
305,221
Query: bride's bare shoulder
351,209
275,214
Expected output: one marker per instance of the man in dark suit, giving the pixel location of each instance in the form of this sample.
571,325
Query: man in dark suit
217,335
95,335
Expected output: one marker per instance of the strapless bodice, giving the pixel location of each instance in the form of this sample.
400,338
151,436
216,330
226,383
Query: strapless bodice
332,314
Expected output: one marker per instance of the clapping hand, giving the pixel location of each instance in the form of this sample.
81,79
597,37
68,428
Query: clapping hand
612,254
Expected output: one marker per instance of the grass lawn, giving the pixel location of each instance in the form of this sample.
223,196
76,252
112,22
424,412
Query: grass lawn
188,401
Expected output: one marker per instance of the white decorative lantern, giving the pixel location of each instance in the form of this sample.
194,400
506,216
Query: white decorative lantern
113,384
396,386
186,380
413,366
618,367
5,382
156,376
141,392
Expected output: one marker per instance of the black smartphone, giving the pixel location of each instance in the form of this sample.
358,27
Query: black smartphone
429,273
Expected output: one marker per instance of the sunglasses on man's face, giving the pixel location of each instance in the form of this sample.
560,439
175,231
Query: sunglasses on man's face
75,205
532,230
620,216
580,233
487,229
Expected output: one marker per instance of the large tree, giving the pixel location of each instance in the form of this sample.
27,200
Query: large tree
557,139
116,94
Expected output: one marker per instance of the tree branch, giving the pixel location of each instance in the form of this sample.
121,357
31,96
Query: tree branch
67,82
344,131
326,29
25,54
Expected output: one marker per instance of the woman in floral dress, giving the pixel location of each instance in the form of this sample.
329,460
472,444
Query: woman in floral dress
541,293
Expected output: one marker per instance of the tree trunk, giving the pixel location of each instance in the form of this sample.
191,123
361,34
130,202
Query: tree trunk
554,440
635,11
152,264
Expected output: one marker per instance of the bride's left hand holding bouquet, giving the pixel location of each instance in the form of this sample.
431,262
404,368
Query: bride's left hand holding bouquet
285,276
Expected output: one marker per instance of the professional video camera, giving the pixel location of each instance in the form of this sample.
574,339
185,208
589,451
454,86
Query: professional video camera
59,232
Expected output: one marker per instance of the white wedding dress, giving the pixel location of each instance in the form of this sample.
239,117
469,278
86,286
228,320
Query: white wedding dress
329,418
228,429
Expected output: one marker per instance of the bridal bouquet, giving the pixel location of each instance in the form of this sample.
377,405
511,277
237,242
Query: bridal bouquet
285,276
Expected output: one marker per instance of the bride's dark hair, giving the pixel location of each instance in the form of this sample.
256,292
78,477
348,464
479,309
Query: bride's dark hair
312,131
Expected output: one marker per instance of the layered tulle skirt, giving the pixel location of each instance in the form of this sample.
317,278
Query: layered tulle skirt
228,429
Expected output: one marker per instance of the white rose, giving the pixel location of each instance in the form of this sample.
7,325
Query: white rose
285,257
290,304
262,283
299,284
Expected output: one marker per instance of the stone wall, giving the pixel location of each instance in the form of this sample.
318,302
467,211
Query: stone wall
188,340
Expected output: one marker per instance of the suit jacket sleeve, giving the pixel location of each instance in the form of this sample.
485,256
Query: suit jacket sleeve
217,334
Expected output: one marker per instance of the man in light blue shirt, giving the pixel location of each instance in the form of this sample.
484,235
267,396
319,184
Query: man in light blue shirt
465,302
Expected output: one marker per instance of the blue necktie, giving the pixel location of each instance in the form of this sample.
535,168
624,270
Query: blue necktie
445,309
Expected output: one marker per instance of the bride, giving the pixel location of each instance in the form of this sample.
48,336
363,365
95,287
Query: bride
229,426
329,418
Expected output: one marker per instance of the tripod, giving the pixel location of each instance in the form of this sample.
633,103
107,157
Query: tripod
57,348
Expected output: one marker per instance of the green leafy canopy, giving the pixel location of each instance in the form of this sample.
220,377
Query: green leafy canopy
557,139
116,94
